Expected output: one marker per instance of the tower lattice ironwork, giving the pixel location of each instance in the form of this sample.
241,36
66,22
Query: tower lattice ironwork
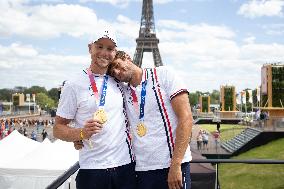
147,40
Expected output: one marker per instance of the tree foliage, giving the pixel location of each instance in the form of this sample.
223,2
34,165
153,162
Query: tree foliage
44,101
6,95
204,103
53,94
44,98
215,97
193,99
35,90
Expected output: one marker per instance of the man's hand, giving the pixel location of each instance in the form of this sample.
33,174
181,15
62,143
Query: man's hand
91,126
175,177
78,144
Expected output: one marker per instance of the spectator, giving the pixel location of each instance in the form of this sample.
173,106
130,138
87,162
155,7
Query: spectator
263,118
218,126
205,139
199,140
44,134
25,132
33,135
216,136
21,130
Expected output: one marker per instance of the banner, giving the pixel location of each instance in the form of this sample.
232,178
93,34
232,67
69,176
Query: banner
243,96
28,97
238,98
250,96
33,97
264,80
258,94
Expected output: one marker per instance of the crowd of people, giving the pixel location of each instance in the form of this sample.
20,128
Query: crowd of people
28,127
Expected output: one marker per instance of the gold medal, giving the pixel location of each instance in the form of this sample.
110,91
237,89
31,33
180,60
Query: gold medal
101,116
141,129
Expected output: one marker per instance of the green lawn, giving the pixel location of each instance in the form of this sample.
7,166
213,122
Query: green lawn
251,176
227,131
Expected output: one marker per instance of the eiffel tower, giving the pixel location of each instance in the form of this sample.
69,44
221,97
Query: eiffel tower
147,40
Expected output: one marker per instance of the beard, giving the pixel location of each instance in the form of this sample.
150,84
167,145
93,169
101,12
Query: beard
126,78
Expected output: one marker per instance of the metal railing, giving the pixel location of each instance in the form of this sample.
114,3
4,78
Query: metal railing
62,178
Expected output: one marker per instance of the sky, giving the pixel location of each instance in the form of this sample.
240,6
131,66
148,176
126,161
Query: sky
208,43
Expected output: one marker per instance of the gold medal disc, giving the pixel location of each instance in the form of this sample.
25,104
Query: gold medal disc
101,116
141,129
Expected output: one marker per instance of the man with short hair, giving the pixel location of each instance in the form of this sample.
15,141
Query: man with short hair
94,102
161,122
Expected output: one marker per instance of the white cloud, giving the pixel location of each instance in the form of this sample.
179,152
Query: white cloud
274,29
126,28
186,31
46,21
200,42
17,50
52,21
118,3
125,3
249,39
207,56
263,53
258,8
22,65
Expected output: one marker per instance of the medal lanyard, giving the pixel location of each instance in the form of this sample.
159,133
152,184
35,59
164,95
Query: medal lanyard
143,98
95,89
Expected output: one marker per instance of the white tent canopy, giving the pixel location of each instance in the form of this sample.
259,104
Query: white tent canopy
15,146
37,167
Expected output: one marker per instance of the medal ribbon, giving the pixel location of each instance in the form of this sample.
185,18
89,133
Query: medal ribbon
135,101
143,97
104,91
96,95
95,89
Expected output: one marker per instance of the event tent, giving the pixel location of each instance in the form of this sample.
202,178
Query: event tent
34,168
15,146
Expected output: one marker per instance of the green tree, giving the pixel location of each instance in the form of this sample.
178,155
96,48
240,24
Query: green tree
19,89
53,94
228,98
204,103
35,90
215,97
44,101
6,94
193,99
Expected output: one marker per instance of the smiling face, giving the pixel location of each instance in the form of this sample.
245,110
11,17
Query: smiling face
122,67
102,53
